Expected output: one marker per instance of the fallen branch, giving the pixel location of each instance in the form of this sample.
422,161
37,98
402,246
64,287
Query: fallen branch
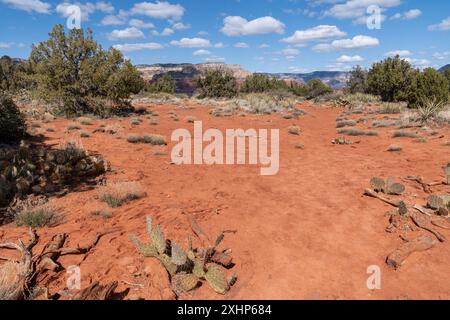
423,210
373,194
398,257
425,224
426,187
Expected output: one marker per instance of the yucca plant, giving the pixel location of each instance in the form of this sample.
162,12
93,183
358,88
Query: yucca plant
429,109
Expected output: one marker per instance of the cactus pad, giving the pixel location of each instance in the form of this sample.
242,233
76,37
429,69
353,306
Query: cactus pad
435,202
378,184
179,257
167,263
396,189
158,239
198,270
402,208
182,283
216,279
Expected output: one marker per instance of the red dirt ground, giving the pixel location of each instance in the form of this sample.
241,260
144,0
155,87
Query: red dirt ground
306,233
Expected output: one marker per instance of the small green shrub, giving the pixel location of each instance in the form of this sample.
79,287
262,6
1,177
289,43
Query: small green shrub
36,218
317,88
12,122
404,134
216,83
345,123
427,85
117,194
164,84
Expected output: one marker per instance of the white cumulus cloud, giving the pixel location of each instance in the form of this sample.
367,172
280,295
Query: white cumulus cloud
158,10
130,47
238,26
29,5
357,42
322,32
128,33
443,26
345,58
191,43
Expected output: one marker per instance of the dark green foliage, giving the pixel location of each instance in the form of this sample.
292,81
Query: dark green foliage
390,79
216,84
14,74
428,84
447,75
12,122
357,83
259,83
316,88
165,84
74,73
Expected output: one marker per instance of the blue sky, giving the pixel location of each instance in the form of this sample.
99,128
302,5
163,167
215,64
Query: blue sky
260,35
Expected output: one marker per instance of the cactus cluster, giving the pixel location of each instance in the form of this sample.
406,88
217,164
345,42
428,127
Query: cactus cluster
387,187
441,204
188,268
38,170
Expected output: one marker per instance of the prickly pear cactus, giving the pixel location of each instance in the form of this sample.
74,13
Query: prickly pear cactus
216,279
168,264
179,257
402,209
158,239
184,282
199,270
396,189
378,184
435,202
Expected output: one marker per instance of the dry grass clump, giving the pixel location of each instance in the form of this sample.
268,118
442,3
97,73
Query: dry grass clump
50,130
429,110
154,122
101,214
85,121
384,123
36,217
84,134
357,132
72,127
135,121
404,134
392,107
294,130
117,194
153,139
134,139
11,276
345,123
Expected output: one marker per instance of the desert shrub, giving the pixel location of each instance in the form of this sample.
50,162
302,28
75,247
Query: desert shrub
357,83
316,88
117,194
84,134
36,218
164,84
12,122
394,148
102,213
154,139
357,132
429,109
391,107
15,75
390,79
216,83
259,83
191,119
447,75
429,84
257,103
76,75
404,134
345,123
134,139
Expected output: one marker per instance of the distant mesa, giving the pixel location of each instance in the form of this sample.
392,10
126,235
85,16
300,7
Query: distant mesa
184,73
441,70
